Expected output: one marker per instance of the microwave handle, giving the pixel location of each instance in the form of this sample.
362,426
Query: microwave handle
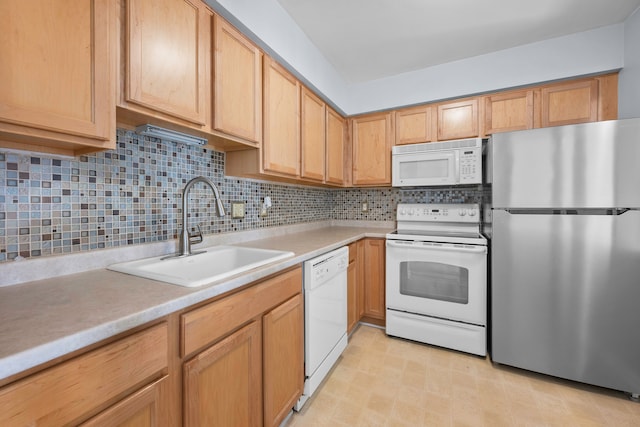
456,170
449,247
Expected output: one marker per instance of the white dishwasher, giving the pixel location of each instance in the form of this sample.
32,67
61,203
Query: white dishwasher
325,316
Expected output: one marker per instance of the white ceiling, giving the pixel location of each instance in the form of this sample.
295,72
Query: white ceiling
371,39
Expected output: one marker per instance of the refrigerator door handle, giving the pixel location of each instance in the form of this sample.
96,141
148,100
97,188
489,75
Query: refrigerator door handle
582,211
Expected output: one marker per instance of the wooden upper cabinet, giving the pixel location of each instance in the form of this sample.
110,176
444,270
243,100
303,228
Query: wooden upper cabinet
167,50
281,109
508,111
312,137
569,103
414,125
458,119
58,74
372,139
336,141
237,83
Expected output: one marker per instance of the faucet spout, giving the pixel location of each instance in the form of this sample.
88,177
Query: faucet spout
185,242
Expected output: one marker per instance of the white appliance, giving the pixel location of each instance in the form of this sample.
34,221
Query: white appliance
325,316
457,162
436,276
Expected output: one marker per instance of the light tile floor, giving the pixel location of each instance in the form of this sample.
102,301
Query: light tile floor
382,381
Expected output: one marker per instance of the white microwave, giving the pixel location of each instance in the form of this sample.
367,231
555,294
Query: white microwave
457,162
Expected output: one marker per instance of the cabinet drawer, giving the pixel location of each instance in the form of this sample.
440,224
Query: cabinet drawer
203,326
67,393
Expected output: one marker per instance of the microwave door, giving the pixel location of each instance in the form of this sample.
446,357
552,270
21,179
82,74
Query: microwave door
425,169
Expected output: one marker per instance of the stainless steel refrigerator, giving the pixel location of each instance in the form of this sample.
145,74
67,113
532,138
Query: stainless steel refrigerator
565,242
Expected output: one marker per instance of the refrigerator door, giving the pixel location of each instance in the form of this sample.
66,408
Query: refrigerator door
566,296
590,165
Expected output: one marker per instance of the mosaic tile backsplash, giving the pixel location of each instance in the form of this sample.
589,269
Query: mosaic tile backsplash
133,195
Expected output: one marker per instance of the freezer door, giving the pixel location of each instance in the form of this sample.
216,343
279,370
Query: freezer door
565,295
590,165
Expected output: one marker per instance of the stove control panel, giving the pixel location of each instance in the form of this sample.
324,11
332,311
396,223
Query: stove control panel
438,212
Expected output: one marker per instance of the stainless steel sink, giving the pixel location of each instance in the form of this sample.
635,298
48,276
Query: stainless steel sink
215,263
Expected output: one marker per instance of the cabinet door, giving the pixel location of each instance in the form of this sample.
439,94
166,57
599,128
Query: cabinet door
372,142
141,409
508,111
281,145
360,266
167,49
223,385
283,364
312,138
414,125
57,70
374,277
458,119
336,145
352,288
237,80
569,103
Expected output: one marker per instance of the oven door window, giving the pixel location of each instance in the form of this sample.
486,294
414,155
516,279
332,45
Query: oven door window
435,281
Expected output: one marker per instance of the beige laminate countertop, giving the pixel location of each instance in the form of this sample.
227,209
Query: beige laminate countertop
45,319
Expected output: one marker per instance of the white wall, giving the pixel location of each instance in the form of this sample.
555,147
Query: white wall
578,54
589,52
629,83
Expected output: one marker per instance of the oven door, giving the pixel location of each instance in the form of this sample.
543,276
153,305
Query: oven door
424,169
437,279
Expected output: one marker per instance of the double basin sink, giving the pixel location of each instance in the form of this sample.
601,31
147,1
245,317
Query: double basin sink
212,264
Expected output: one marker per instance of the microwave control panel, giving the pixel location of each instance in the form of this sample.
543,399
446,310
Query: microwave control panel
470,165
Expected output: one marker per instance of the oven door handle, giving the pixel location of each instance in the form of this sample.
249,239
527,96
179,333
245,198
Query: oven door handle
444,247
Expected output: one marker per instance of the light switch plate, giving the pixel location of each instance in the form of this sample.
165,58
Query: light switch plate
237,209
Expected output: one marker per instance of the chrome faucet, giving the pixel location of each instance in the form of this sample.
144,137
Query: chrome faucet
185,235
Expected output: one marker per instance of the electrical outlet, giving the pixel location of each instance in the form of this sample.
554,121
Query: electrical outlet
365,206
237,209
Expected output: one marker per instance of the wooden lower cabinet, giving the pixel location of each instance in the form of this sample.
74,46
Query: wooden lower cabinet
374,278
352,288
142,409
223,384
248,369
283,359
107,379
366,283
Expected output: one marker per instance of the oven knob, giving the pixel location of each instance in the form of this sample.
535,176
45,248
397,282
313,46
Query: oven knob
462,212
410,212
472,212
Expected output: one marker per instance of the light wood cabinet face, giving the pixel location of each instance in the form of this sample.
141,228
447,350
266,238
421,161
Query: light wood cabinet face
458,120
167,44
374,277
414,125
57,70
372,141
336,145
281,144
223,385
237,77
509,111
312,136
283,353
142,409
569,103
352,288
72,390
